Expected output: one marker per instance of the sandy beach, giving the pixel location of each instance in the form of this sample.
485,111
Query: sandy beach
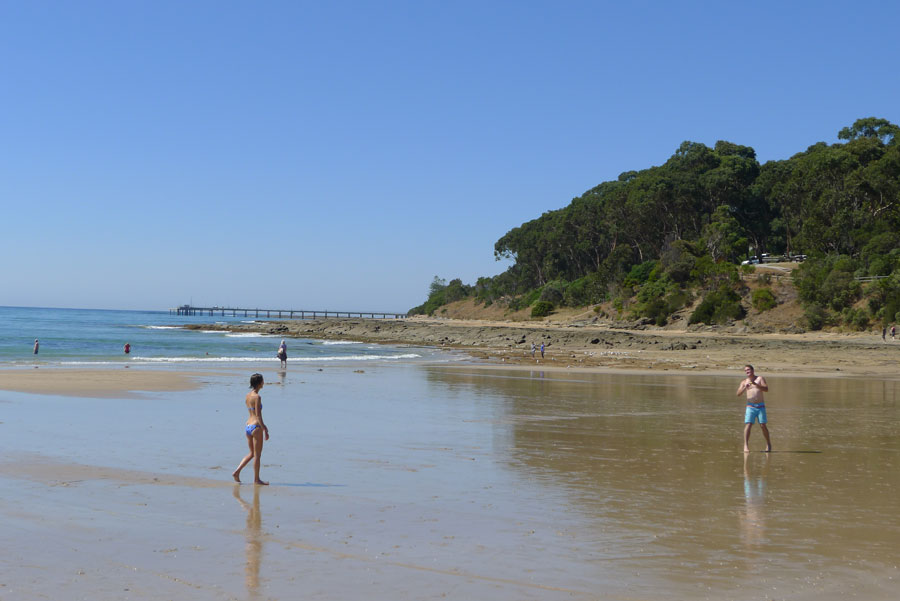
96,382
499,478
586,345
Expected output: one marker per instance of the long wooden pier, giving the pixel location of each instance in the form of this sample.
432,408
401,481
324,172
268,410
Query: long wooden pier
280,313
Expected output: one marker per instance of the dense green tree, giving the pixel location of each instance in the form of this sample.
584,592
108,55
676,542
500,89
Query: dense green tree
686,223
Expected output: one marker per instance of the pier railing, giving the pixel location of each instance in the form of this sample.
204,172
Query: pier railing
281,313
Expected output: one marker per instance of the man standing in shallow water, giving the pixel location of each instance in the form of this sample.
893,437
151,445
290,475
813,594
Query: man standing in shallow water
754,386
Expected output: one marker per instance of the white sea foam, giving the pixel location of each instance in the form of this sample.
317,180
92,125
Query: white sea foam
335,342
90,363
202,359
249,335
266,359
163,327
359,357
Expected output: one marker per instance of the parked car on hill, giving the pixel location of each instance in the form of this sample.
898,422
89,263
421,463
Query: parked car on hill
756,259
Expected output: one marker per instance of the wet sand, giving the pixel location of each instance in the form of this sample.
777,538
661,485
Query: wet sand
95,382
427,481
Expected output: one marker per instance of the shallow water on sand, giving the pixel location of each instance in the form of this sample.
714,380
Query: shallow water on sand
412,482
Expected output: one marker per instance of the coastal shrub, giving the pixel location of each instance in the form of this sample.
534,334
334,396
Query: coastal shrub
656,310
712,275
841,288
678,300
456,290
880,253
891,310
719,307
434,301
542,309
440,293
816,316
639,274
763,299
526,300
552,292
658,299
584,291
678,260
857,319
828,281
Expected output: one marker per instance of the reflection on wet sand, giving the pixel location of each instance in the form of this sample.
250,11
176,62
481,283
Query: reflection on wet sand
753,519
254,536
654,466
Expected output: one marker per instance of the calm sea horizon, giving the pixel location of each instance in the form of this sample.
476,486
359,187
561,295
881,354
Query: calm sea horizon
96,337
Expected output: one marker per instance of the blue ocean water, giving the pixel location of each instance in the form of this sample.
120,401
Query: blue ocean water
97,337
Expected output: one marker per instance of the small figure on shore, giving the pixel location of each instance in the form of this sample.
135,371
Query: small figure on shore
883,333
754,386
37,346
255,430
893,332
533,347
542,350
127,348
282,354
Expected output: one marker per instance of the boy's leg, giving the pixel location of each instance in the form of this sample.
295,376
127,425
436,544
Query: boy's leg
747,428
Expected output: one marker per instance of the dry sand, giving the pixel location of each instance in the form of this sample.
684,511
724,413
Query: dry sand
579,345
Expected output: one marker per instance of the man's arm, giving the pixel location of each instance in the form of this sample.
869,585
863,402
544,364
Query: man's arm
761,384
742,387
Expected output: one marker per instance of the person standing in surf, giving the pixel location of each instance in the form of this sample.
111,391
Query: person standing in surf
754,386
256,430
282,354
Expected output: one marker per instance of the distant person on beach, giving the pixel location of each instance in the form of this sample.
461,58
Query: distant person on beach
893,331
255,429
37,346
127,348
533,347
754,386
542,350
282,354
883,333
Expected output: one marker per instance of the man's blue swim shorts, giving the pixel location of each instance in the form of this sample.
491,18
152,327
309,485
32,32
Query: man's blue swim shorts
755,413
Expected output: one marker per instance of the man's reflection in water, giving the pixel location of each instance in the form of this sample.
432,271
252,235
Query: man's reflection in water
753,519
253,533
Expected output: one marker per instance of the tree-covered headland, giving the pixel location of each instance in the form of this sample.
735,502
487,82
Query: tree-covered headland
664,238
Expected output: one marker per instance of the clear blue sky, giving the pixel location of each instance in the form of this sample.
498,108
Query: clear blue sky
340,155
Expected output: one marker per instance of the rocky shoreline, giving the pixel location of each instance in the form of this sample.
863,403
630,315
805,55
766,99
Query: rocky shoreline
595,346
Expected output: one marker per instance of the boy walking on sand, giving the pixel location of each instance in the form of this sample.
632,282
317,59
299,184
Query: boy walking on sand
754,386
